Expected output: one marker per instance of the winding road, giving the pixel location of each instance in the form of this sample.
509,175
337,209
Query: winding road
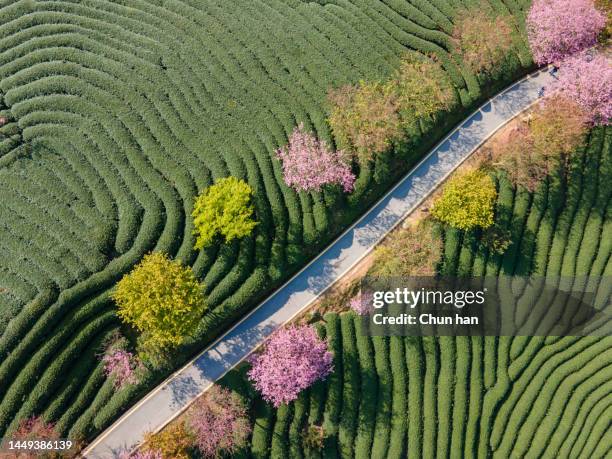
175,394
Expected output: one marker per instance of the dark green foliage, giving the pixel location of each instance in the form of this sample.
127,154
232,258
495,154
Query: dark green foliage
350,390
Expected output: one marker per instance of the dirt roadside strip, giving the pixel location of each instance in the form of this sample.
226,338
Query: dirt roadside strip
177,392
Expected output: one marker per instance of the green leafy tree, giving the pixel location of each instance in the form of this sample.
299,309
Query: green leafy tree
162,299
467,201
223,209
423,88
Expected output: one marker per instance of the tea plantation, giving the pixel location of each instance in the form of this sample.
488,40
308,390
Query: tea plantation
119,112
501,397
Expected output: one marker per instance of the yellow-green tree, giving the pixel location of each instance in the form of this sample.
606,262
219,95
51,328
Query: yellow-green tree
467,201
174,442
368,118
364,118
223,209
422,87
162,299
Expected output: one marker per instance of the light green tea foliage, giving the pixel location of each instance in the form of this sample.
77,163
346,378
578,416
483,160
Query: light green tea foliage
467,201
223,209
162,299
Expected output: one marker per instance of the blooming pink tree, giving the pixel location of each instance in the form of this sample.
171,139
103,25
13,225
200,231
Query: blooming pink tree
587,80
218,422
293,359
121,365
362,303
309,164
559,28
33,428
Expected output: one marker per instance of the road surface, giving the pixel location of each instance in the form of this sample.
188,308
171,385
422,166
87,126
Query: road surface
170,398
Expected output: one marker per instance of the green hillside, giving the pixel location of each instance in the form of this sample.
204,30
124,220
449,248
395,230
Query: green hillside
500,397
120,112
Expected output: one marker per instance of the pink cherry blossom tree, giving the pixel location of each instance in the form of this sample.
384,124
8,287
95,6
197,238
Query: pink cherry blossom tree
559,28
309,164
219,422
362,303
121,365
586,79
293,359
33,428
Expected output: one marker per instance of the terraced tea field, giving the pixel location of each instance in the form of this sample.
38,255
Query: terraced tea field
472,396
119,112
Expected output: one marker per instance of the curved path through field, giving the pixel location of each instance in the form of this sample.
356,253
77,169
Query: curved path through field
170,398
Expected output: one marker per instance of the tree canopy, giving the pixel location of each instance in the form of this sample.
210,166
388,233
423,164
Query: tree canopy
556,128
162,299
559,28
423,88
482,38
218,422
309,164
121,365
174,441
292,360
586,79
467,201
223,209
35,428
369,117
413,251
364,118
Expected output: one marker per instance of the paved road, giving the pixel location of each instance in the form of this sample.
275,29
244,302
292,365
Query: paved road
175,394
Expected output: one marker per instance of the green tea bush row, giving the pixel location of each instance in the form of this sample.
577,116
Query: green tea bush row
30,373
445,385
382,429
350,390
280,444
368,393
333,402
399,406
48,381
297,425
